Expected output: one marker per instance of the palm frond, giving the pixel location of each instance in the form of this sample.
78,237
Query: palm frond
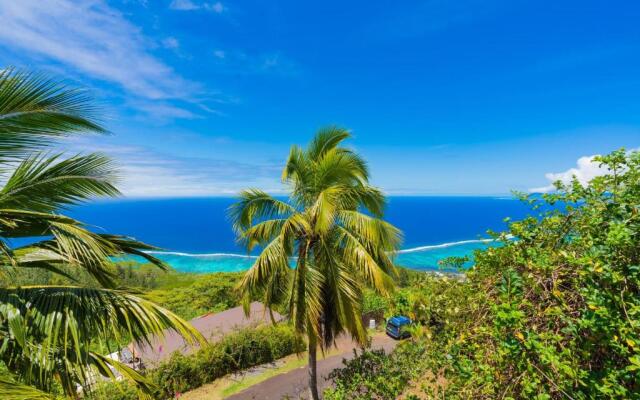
273,260
353,252
35,109
254,206
12,390
50,329
375,232
124,245
369,198
323,210
70,244
340,167
46,183
104,367
326,139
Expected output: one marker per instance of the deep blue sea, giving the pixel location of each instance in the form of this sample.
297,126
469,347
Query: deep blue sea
195,234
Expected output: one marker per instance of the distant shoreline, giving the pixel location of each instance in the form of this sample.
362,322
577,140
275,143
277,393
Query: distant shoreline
420,258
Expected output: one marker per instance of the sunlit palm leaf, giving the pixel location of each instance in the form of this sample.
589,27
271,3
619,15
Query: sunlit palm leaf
274,259
143,384
336,248
50,329
45,183
124,245
354,253
340,167
326,139
71,243
254,206
46,331
34,109
12,390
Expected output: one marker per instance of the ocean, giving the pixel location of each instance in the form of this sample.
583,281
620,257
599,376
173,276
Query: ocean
195,234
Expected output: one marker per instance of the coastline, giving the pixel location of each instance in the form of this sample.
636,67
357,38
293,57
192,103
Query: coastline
419,258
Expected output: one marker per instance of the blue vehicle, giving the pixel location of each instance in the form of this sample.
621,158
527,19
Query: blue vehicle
396,327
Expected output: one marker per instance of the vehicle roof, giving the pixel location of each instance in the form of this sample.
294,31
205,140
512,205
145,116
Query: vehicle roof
400,320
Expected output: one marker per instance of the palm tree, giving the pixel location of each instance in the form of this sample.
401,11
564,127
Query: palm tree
47,332
330,228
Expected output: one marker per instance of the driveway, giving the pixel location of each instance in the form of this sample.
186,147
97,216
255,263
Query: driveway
293,384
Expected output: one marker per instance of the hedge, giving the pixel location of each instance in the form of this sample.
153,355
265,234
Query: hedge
243,349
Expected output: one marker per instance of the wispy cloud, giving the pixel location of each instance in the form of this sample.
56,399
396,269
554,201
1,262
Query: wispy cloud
162,112
93,38
147,173
192,5
171,43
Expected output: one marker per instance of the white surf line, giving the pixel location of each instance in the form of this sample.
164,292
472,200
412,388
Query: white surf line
411,250
176,253
444,245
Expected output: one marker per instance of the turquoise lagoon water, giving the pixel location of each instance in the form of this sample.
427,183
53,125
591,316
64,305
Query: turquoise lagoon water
195,234
425,257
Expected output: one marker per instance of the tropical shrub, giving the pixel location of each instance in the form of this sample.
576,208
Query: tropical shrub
243,349
551,313
376,375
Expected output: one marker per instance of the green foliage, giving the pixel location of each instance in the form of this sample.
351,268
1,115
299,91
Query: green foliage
209,293
48,333
331,226
237,351
551,313
376,375
374,303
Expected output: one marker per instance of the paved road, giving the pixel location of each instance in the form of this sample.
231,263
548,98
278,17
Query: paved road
293,384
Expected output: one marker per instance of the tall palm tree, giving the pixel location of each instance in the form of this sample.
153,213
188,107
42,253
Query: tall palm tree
47,332
330,227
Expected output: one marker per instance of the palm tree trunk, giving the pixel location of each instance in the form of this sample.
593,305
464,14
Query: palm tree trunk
313,374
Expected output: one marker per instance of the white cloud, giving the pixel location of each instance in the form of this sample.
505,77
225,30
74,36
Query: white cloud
147,173
217,7
219,54
162,112
183,5
190,5
586,169
171,43
93,38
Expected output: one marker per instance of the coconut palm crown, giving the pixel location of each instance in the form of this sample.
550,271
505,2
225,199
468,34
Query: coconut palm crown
331,229
47,333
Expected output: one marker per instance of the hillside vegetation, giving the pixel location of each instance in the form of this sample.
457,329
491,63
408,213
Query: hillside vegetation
551,313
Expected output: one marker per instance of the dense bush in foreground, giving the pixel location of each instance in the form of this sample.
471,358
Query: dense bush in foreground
376,375
235,352
552,313
437,305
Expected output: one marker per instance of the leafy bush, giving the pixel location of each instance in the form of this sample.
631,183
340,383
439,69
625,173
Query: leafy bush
551,313
237,351
375,374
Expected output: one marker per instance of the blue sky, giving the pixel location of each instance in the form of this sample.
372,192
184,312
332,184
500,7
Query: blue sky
443,97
